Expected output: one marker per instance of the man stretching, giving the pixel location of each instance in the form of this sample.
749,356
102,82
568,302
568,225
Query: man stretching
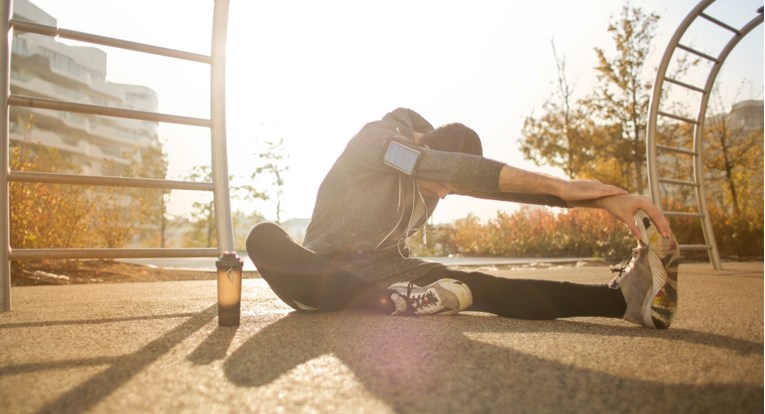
386,184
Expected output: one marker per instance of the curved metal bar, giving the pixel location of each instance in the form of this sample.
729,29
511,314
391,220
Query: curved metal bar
698,139
658,88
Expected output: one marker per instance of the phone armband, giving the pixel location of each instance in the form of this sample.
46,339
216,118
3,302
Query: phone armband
401,157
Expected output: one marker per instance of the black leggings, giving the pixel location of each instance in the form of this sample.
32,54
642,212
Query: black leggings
295,273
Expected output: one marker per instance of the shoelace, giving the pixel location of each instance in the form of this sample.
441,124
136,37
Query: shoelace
420,301
620,269
614,283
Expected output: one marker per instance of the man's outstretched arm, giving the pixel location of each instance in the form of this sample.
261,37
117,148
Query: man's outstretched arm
516,180
585,193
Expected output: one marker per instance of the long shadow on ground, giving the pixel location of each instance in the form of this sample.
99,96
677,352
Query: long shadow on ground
437,365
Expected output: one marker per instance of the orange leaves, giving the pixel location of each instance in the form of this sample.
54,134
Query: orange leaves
541,232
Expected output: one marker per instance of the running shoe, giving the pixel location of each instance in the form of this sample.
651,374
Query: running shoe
649,281
442,297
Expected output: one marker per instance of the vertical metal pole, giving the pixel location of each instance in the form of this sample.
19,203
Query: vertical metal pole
5,226
218,116
222,198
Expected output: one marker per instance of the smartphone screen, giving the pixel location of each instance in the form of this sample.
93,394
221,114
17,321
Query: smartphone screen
401,157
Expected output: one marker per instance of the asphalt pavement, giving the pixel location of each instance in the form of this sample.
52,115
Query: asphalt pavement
157,348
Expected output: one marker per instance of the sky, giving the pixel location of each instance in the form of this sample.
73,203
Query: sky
313,73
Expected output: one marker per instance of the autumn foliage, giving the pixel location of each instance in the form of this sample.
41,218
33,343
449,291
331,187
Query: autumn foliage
534,232
44,215
544,232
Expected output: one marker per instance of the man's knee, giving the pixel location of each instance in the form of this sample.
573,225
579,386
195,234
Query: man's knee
263,236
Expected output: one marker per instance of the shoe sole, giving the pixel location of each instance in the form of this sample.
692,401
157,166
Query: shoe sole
660,306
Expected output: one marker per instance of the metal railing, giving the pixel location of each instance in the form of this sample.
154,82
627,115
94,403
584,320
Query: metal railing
652,148
216,123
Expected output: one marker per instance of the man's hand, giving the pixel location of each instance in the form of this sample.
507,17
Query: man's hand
623,208
617,202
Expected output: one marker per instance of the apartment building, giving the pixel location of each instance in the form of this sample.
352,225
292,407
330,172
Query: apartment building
747,115
43,67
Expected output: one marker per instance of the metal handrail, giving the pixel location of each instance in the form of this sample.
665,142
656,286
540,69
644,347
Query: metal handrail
120,253
44,103
55,178
30,27
216,123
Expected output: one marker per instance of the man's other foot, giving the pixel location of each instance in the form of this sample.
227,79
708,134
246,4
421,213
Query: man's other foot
649,281
442,297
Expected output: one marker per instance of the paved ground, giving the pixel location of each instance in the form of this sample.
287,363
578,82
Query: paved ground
156,347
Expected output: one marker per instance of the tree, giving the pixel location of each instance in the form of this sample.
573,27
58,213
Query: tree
120,214
601,136
733,158
112,216
203,230
242,224
45,215
203,212
274,164
560,137
151,162
65,216
622,96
